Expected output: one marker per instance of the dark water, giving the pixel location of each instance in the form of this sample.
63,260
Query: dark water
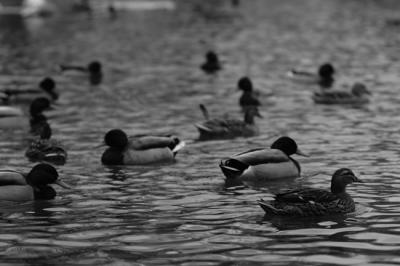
183,213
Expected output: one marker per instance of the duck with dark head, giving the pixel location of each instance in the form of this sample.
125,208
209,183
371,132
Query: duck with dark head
93,69
212,64
139,149
249,98
35,185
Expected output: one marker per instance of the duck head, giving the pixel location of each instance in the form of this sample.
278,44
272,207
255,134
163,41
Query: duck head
94,67
116,138
288,146
245,84
212,57
326,71
341,178
359,89
48,85
40,177
250,113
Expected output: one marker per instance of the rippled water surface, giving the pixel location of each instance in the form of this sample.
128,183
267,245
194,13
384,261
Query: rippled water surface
184,213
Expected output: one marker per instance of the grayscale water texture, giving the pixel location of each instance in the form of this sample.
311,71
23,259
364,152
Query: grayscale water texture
184,213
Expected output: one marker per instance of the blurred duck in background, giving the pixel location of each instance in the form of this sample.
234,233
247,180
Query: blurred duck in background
35,185
324,78
228,128
14,118
93,69
359,94
46,89
139,149
212,64
249,97
45,149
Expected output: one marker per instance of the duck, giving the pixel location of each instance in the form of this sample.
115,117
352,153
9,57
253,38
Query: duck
35,185
94,69
359,94
45,149
263,164
228,128
324,78
12,117
139,149
313,201
212,64
47,89
249,97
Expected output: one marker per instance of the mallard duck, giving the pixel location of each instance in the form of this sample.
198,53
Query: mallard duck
19,187
264,164
14,118
324,78
47,89
227,128
359,94
94,69
140,149
249,97
314,201
212,64
46,149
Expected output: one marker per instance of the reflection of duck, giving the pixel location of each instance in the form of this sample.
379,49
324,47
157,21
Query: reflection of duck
46,149
139,150
46,89
16,186
13,117
94,69
324,77
264,164
313,201
212,64
226,128
359,94
249,97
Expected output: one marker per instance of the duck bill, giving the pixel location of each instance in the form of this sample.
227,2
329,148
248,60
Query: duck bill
62,184
99,146
357,179
299,152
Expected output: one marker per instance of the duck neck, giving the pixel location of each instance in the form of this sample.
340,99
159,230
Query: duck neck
338,188
249,118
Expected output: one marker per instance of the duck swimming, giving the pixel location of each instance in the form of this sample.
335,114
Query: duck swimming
139,150
94,69
249,96
227,128
324,78
13,117
359,94
264,164
314,201
47,89
46,149
212,64
19,187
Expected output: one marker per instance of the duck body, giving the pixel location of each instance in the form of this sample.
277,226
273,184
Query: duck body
260,165
358,95
140,150
324,77
19,187
227,128
314,202
47,150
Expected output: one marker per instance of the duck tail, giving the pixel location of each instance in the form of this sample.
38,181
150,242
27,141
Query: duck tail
268,208
179,145
232,168
204,111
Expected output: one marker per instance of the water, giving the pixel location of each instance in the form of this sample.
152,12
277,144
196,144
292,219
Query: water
184,213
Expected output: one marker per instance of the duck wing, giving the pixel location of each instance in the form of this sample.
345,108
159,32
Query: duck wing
261,156
306,195
151,142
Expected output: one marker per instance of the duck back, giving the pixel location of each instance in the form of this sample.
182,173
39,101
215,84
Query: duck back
271,171
16,193
149,156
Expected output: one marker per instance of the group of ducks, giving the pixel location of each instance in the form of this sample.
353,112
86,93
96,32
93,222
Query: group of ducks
254,165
